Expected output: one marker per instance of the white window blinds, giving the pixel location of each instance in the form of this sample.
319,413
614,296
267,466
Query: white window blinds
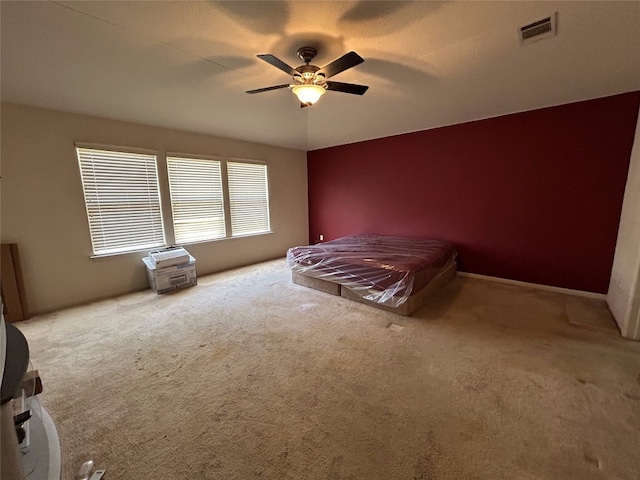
248,198
122,199
197,199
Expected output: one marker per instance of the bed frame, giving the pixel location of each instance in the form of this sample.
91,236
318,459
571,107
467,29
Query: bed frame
413,303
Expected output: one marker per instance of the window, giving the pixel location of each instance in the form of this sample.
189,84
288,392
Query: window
197,199
248,198
122,198
211,198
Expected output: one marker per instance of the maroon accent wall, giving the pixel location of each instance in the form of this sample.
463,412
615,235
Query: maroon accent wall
533,196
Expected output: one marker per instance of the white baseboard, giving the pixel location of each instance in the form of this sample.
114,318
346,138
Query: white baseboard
567,291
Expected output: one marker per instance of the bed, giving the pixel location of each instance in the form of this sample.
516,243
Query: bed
397,274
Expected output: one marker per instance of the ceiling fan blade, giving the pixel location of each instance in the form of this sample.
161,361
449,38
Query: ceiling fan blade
266,89
347,88
346,61
276,62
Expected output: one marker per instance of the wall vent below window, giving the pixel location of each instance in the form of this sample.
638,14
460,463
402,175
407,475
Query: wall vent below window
538,30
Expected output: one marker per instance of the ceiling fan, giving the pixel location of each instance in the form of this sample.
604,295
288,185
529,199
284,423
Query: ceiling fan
309,81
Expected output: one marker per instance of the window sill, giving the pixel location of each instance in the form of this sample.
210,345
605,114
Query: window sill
147,250
223,239
128,252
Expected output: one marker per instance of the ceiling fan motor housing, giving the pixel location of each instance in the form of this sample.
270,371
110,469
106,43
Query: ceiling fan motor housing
307,75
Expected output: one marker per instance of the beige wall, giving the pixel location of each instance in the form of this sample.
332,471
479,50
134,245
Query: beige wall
623,296
43,208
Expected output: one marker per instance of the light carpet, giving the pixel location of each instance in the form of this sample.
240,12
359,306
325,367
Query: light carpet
248,376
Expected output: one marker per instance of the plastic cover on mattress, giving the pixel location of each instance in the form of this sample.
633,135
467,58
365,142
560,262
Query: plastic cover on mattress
382,269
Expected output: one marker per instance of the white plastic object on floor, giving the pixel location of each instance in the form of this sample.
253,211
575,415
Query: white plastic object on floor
86,470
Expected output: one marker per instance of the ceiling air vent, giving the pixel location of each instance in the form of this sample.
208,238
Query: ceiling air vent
539,29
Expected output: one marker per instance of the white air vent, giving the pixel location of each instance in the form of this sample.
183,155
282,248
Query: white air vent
543,28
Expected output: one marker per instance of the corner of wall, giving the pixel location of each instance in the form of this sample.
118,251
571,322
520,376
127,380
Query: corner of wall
623,296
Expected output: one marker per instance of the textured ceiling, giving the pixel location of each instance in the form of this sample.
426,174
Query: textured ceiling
186,65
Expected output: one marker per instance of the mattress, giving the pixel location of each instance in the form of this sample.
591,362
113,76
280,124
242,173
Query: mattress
382,269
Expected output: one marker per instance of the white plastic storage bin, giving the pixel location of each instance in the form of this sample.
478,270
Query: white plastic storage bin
165,279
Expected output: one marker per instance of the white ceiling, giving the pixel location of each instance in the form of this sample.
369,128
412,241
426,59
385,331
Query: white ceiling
186,65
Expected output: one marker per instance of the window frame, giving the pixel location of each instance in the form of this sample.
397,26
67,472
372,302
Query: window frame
222,178
158,188
267,195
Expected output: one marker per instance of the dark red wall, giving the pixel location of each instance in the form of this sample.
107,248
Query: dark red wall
533,196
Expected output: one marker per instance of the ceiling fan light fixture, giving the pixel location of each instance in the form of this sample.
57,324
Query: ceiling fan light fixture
308,94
